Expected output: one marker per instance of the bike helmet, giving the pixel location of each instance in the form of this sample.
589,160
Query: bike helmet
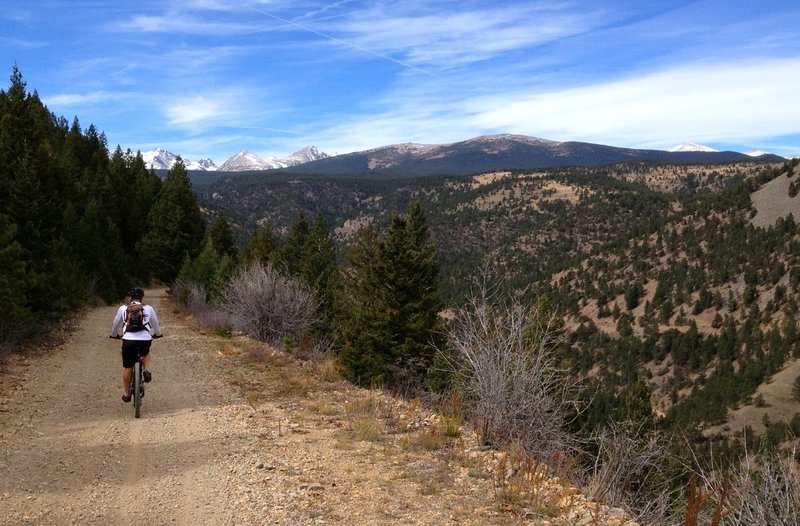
136,293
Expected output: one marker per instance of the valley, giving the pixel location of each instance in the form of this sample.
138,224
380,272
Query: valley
637,255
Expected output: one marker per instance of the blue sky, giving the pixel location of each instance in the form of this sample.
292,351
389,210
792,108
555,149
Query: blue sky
208,78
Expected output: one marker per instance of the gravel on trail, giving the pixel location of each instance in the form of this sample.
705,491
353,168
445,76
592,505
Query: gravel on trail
231,433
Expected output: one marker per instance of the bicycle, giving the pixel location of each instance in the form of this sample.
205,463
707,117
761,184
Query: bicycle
136,387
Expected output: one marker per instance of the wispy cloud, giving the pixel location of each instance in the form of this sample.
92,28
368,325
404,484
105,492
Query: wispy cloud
700,102
76,100
733,102
348,74
187,24
237,108
447,37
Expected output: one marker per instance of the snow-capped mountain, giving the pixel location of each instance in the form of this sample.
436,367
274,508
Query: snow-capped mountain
307,154
691,147
203,164
244,161
248,161
756,153
161,159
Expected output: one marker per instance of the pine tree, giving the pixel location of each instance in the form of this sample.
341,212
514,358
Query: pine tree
221,237
15,281
392,323
365,335
411,273
318,269
209,269
175,227
260,247
290,255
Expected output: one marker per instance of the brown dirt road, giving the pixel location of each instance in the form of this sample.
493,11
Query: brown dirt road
235,433
73,453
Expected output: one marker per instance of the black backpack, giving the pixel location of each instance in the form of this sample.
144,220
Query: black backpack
134,317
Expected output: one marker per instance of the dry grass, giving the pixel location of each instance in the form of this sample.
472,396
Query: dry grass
432,439
328,370
323,407
266,355
364,420
366,428
522,481
297,383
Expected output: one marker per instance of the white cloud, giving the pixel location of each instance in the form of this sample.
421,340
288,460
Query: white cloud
727,102
195,110
70,100
232,108
449,37
736,102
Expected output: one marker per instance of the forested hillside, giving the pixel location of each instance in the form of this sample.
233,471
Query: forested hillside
702,306
76,221
521,224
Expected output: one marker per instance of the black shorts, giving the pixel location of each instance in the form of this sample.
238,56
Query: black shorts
132,349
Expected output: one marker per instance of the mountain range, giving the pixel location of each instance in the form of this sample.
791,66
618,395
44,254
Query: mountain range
504,152
161,159
479,154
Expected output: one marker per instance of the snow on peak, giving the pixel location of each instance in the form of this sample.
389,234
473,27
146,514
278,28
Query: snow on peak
161,159
307,154
247,161
757,153
691,147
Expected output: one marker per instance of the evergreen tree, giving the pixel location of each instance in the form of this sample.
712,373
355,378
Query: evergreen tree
209,269
260,247
175,227
366,339
221,237
290,255
412,272
15,281
318,269
393,322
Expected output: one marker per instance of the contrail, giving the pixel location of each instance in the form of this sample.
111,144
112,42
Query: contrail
346,43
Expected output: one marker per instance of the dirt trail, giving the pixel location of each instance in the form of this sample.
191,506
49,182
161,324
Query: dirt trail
73,453
235,433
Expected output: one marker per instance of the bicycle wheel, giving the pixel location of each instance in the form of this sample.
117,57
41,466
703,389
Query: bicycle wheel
137,388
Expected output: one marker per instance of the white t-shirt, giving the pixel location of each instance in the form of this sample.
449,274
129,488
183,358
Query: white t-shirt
150,320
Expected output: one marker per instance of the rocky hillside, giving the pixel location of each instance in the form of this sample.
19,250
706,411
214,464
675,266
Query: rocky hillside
503,152
703,305
524,222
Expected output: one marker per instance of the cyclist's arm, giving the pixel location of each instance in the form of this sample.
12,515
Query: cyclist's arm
118,320
153,321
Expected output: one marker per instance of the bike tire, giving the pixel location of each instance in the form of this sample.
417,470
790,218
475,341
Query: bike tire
137,388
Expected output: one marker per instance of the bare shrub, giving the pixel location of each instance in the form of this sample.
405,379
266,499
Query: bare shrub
194,299
630,471
765,489
503,356
268,306
762,488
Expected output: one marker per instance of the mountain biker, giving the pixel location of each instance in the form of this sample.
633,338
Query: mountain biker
135,343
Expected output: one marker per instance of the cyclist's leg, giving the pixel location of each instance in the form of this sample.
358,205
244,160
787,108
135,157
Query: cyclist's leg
129,357
144,352
127,374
